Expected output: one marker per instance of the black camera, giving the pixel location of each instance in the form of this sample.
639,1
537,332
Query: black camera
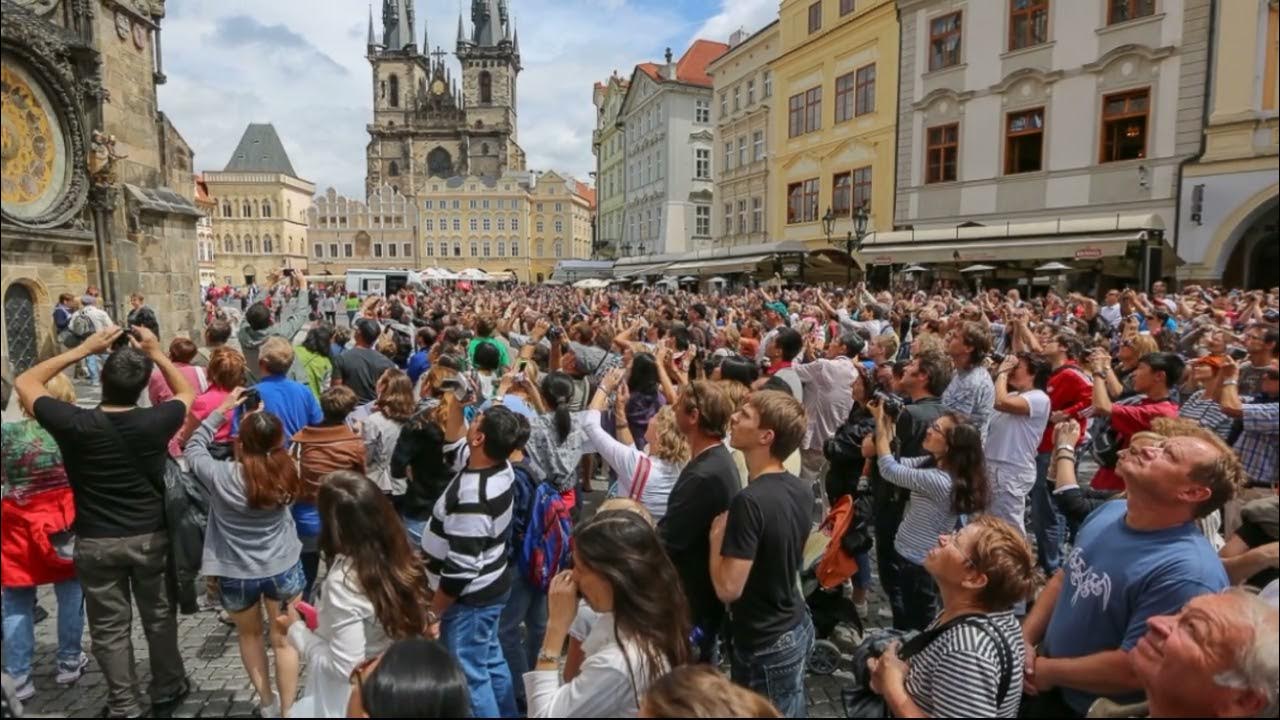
123,340
892,405
555,332
251,400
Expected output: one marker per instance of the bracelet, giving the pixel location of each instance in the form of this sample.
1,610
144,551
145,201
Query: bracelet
544,656
1230,382
1060,448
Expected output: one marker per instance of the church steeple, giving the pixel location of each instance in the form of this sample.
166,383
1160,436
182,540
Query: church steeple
397,24
462,35
373,40
426,39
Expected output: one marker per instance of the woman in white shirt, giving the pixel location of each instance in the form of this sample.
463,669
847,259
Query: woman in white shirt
395,404
375,592
642,631
1015,432
646,476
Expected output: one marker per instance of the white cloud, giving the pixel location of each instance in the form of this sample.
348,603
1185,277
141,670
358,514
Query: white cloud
749,15
300,64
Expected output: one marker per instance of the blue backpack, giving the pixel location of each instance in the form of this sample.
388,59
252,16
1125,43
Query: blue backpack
543,547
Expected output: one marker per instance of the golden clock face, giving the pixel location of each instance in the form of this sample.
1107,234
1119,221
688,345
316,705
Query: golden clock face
33,151
437,87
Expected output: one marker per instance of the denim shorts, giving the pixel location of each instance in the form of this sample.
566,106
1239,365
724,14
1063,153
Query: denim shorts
240,595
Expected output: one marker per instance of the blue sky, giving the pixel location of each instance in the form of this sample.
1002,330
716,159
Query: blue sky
300,64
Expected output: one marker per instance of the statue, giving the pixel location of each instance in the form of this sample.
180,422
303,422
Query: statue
102,159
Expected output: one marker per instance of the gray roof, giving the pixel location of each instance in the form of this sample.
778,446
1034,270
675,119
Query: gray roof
260,150
161,200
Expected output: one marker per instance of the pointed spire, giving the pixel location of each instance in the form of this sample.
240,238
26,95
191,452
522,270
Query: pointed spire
506,32
462,36
515,39
426,38
372,40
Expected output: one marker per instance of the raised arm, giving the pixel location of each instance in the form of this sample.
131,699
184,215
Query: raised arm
1005,400
30,385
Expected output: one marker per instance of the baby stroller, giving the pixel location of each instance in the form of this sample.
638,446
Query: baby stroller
828,562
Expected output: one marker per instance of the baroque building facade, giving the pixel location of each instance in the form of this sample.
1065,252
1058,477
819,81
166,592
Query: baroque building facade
607,146
378,232
97,185
260,220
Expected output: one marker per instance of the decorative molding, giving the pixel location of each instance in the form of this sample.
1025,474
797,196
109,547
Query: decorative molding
958,97
1013,78
1119,52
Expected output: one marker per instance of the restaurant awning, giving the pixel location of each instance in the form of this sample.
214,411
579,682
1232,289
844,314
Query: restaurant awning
641,270
1000,249
746,263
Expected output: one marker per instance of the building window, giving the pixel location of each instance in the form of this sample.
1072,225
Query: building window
377,250
944,41
502,248
486,87
866,90
515,248
940,158
267,246
1024,141
428,225
444,249
862,187
815,17
429,249
751,92
472,204
348,250
559,207
702,220
737,98
515,223
319,250
266,208
559,248
846,7
757,215
487,248
559,226
702,112
246,210
768,83
486,224
484,204
457,224
538,227
742,217
1124,125
728,219
1269,84
842,194
1120,10
728,156
407,249
844,97
391,249
742,150
475,249
394,83
724,105
502,223
805,112
457,249
333,250
802,201
473,224
702,164
394,169
1028,23
226,209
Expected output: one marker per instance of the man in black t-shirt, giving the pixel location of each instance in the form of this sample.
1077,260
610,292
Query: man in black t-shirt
757,549
703,491
360,367
115,460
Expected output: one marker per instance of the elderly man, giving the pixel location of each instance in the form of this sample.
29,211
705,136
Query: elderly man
1216,657
1134,559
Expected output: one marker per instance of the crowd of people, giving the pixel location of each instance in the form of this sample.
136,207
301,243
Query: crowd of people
1069,503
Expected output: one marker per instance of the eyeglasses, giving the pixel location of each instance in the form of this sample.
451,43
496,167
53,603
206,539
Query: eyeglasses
953,540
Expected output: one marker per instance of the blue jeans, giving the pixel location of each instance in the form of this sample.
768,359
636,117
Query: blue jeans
239,595
471,634
93,366
413,529
527,606
1049,526
20,631
914,596
777,671
862,578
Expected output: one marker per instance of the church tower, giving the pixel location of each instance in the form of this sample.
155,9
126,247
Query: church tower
490,59
400,76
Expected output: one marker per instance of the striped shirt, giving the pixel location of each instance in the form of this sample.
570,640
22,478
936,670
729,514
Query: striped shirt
928,512
959,673
972,394
465,541
1207,412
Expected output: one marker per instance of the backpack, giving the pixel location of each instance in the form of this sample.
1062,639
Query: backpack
1106,442
545,550
81,326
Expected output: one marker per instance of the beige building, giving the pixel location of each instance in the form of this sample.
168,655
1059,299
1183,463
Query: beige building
1230,202
204,233
96,182
261,220
741,78
345,233
560,211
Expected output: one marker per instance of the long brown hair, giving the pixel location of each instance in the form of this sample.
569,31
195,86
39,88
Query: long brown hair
358,522
270,475
967,465
395,395
648,608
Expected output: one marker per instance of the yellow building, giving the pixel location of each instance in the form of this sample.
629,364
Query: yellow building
519,223
379,232
833,118
261,220
1230,196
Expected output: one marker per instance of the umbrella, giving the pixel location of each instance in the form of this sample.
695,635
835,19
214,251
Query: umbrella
637,282
718,279
688,278
1054,266
977,268
915,268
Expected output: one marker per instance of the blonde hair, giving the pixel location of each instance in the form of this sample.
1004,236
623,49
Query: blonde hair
700,691
1003,555
671,444
1143,345
624,504
61,388
276,355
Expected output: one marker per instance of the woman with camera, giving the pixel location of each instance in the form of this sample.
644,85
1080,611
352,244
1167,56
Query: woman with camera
622,572
251,545
947,485
968,662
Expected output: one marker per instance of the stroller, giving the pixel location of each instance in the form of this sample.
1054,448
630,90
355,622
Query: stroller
828,563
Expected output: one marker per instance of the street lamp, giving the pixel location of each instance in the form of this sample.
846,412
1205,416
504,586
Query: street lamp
828,222
854,240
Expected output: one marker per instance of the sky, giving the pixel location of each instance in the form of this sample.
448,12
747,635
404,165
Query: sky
300,64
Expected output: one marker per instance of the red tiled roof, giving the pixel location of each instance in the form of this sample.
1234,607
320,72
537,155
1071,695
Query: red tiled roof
650,69
692,66
586,192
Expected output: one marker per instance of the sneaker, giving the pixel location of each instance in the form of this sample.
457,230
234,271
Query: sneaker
70,672
24,688
225,618
885,613
270,711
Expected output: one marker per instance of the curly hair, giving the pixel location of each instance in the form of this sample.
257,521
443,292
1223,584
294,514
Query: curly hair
671,444
395,395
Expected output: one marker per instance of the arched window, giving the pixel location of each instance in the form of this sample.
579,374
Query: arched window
559,249
266,245
539,249
394,169
475,249
487,248
246,210
394,89
429,249
502,248
515,248
226,208
457,249
266,208
486,87
444,249
226,243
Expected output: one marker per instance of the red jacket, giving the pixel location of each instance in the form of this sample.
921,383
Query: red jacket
1070,391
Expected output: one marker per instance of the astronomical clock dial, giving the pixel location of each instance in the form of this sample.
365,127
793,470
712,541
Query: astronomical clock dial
34,173
437,87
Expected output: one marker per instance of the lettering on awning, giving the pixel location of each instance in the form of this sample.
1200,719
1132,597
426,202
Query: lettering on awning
1088,253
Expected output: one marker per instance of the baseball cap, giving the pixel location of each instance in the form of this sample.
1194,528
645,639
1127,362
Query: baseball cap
777,307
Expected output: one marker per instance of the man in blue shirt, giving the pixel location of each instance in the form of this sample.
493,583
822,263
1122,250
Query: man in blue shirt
289,400
1133,559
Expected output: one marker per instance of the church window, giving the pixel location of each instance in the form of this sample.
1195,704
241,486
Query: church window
394,88
394,169
486,87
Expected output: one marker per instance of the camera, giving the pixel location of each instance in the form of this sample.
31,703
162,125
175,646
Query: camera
555,332
892,405
123,340
252,400
997,358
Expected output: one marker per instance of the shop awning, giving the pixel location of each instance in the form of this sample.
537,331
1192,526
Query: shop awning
1003,249
747,263
640,270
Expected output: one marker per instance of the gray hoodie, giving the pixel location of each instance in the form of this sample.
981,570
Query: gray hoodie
292,319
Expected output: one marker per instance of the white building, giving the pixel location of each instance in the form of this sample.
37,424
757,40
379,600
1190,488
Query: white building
1038,113
666,117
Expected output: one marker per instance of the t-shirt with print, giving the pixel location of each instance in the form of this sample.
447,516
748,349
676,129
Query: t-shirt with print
1116,578
359,369
704,490
768,524
1013,439
111,498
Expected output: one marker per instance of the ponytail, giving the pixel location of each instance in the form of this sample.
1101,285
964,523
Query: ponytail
562,423
557,391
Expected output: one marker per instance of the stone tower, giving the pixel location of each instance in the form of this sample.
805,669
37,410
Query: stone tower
490,58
